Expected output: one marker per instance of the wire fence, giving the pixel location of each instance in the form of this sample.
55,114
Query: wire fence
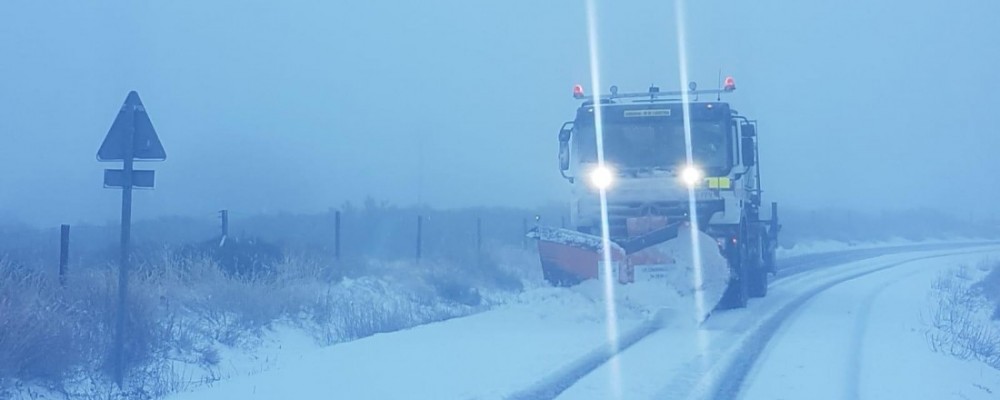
342,235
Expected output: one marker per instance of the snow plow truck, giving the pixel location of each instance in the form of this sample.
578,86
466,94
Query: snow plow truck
674,167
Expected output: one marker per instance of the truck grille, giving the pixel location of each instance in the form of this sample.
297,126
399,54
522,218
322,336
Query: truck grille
619,212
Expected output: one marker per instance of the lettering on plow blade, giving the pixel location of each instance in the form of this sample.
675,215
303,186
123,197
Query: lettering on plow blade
579,254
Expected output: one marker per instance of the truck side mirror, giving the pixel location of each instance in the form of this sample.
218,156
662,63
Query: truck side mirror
749,130
749,149
564,156
564,135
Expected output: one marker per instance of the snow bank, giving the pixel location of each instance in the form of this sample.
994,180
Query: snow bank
691,285
826,246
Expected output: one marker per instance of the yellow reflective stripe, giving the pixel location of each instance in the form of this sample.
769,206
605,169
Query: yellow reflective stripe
719,182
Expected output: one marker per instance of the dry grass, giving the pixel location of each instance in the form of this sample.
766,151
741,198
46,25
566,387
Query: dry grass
181,311
989,286
39,324
51,335
961,316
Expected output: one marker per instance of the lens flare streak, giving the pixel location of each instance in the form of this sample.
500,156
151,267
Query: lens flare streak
607,277
698,278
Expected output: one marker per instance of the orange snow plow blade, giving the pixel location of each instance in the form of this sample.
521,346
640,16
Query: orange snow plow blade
671,266
569,257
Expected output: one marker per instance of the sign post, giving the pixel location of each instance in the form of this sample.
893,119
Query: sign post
130,138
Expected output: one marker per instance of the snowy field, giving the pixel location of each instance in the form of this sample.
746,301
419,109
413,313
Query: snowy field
852,328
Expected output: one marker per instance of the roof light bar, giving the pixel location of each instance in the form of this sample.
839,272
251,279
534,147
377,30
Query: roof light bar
655,93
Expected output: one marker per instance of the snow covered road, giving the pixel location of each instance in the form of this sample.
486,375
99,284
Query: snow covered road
712,361
865,338
550,342
483,355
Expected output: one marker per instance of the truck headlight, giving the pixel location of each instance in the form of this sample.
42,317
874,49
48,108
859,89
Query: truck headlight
601,177
692,175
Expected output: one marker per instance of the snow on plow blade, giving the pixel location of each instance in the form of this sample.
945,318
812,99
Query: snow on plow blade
661,258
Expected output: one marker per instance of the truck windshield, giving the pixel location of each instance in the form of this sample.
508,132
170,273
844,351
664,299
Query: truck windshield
657,144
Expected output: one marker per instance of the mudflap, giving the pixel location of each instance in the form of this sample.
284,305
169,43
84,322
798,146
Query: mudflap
744,263
737,294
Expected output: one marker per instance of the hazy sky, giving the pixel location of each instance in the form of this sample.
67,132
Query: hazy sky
267,106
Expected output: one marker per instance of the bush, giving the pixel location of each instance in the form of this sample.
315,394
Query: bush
242,258
232,308
51,335
961,318
39,336
989,286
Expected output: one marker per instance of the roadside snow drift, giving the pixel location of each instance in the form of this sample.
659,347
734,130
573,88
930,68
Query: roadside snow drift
689,284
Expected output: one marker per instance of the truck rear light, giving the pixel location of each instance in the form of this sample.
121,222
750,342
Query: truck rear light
577,91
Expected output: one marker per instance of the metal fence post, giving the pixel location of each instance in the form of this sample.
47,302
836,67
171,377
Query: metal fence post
336,233
224,215
420,228
63,253
524,233
479,241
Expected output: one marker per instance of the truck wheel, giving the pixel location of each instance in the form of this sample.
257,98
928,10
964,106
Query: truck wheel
757,284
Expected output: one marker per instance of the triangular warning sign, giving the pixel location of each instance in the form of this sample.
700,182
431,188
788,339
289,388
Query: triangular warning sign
132,125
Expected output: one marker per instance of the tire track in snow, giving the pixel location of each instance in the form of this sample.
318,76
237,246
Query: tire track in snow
725,379
554,384
808,262
859,332
857,342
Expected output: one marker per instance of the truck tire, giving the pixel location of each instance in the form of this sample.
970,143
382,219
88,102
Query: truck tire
758,271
